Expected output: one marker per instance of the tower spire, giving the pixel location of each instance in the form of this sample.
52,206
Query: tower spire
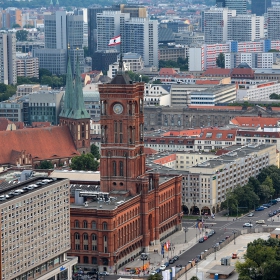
68,95
77,109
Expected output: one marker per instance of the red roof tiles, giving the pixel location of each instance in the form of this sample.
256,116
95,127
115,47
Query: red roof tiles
217,72
255,121
41,143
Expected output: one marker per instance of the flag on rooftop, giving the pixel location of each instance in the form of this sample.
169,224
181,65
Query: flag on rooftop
115,41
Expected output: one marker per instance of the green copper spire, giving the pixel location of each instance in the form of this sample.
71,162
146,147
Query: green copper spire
57,3
51,3
78,110
68,95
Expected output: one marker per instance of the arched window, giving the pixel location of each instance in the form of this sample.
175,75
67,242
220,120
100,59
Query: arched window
93,242
76,224
93,225
121,168
85,237
85,259
85,224
94,260
77,236
105,226
114,169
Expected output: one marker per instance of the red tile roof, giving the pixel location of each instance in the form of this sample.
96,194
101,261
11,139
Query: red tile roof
207,82
41,143
166,159
167,72
187,132
4,123
150,151
255,121
218,134
41,124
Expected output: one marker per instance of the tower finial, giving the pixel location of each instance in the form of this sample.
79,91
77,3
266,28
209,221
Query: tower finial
121,63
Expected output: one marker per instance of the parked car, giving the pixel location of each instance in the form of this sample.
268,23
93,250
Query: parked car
201,240
260,222
158,270
176,258
274,212
153,273
166,264
104,273
171,261
251,214
270,214
205,237
162,267
259,208
247,225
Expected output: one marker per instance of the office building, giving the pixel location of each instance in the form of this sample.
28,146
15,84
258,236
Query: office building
35,230
8,69
10,17
26,89
27,66
216,24
141,36
102,59
63,36
54,60
239,5
109,25
259,7
273,23
245,28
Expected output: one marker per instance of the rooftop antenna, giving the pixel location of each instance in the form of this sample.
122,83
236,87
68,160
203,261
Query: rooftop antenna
121,62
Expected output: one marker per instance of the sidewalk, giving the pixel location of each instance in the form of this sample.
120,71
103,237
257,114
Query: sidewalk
240,248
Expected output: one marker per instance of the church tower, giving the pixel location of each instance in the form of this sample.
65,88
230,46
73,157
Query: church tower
122,160
74,114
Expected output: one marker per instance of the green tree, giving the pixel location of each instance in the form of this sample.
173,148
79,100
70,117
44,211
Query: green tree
220,60
21,35
194,278
47,80
3,87
274,96
155,277
86,52
95,151
273,50
16,25
157,82
85,162
138,77
45,164
271,270
44,72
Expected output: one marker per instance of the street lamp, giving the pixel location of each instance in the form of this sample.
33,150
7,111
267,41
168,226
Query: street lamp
186,230
143,265
234,232
215,248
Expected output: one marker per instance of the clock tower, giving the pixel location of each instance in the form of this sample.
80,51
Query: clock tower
122,160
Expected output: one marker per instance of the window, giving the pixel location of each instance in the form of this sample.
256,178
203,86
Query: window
85,259
93,225
105,225
85,224
114,169
76,224
85,237
94,260
121,168
208,134
77,236
219,135
230,135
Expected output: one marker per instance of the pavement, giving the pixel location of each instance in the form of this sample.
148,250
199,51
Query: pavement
239,247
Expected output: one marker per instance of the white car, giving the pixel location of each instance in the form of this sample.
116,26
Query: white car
162,267
260,222
247,225
278,199
153,273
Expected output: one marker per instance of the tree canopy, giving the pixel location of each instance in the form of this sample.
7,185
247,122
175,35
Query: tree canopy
84,162
45,164
262,260
260,189
137,77
181,63
95,151
21,35
6,91
220,60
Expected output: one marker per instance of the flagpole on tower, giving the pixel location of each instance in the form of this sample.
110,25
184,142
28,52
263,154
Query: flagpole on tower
114,42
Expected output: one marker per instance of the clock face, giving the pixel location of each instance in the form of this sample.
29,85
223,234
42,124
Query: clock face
118,108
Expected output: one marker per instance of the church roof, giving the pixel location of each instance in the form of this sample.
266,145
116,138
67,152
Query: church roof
41,143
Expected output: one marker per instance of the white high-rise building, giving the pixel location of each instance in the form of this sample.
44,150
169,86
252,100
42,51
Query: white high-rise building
141,36
8,68
243,28
109,25
215,23
273,23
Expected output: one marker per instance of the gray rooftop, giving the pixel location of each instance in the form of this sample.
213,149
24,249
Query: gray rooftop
221,269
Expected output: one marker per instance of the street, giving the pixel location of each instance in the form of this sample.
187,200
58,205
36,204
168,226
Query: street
223,227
